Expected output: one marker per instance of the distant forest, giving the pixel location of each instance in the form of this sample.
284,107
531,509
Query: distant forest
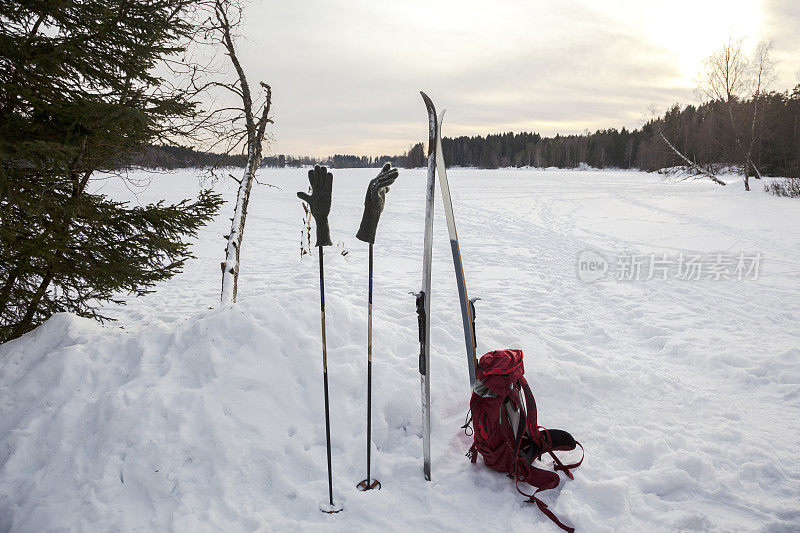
702,133
172,157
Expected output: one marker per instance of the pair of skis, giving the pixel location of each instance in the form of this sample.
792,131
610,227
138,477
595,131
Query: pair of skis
436,165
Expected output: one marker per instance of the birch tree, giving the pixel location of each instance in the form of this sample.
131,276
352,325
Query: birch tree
731,77
249,127
763,76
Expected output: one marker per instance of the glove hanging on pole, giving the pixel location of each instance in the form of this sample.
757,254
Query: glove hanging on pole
320,202
374,201
373,206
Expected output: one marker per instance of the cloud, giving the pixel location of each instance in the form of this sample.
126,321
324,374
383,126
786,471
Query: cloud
782,25
346,76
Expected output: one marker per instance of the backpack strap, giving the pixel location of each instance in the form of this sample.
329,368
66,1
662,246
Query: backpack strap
531,413
472,453
542,439
558,465
532,471
549,514
507,428
524,422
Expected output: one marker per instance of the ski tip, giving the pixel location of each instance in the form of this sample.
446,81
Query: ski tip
428,101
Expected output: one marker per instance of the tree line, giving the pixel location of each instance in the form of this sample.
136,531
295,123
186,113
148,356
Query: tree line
703,133
700,132
170,157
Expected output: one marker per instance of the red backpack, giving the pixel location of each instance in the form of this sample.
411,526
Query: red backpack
506,432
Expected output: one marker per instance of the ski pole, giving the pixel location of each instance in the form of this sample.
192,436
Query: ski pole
333,508
320,203
369,484
373,206
369,372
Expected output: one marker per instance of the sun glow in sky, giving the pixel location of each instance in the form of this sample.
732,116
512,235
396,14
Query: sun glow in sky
692,29
346,75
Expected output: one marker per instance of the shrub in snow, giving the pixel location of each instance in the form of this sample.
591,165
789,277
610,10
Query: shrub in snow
784,187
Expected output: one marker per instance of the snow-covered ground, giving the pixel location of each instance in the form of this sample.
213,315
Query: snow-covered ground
184,416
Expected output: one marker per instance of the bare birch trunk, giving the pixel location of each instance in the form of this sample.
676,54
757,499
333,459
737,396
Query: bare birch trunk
255,127
230,267
691,163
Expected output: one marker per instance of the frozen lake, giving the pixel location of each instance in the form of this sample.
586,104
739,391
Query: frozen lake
660,323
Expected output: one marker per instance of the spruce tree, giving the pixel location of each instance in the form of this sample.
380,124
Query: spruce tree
79,94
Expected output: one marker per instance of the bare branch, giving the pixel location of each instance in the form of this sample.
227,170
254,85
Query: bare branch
269,185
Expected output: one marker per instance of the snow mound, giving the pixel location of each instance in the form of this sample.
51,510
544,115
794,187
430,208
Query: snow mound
140,431
213,422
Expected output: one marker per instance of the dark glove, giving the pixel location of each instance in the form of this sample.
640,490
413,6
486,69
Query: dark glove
373,203
320,202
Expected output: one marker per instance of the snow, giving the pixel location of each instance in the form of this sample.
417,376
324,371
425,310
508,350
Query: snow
188,416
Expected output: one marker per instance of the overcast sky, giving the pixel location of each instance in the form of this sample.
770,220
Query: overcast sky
346,75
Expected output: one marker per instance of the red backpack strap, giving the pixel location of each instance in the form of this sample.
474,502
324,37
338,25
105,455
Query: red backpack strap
531,413
558,465
532,472
546,483
549,514
473,453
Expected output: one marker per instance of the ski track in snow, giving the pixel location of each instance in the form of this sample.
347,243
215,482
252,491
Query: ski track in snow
184,416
